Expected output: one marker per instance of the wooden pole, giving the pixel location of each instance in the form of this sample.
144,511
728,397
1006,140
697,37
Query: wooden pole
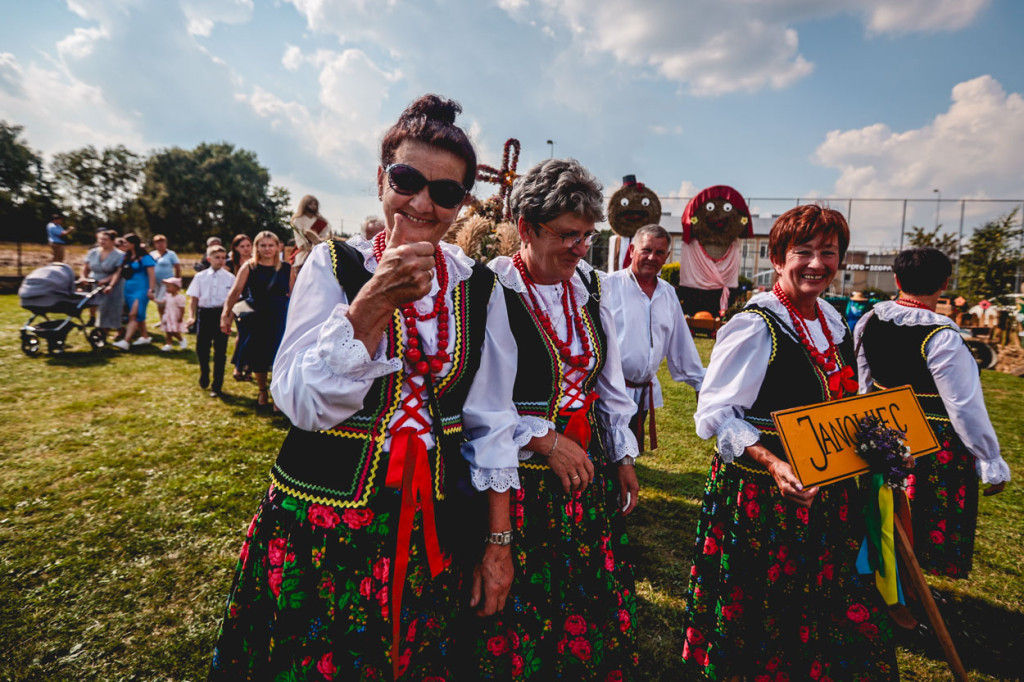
916,576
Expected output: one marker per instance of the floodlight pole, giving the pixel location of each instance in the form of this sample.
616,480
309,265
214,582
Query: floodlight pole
903,223
552,143
959,241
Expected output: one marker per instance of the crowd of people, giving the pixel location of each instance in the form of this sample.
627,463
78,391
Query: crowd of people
450,500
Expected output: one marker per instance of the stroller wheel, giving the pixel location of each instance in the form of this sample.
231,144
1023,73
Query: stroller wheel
97,339
30,344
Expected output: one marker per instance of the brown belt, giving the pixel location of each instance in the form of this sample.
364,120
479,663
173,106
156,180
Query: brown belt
648,389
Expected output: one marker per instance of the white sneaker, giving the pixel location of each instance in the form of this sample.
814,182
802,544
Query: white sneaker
183,344
166,347
142,341
122,344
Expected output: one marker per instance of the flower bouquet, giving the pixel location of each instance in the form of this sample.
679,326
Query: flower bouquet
886,453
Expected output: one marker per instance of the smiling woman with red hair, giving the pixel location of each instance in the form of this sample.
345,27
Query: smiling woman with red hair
774,589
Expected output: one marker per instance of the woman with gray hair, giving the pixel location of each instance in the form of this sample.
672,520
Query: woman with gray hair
572,601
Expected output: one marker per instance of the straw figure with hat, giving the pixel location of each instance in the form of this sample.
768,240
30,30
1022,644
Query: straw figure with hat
631,207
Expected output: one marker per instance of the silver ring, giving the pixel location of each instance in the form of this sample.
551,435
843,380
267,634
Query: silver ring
575,477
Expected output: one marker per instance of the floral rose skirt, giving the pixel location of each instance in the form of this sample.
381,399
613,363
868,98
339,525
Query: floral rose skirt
572,607
774,593
943,492
311,598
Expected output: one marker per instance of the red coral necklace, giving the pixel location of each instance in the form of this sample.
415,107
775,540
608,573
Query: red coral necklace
568,305
838,381
911,303
419,361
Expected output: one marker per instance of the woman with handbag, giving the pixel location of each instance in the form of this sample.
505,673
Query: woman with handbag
259,303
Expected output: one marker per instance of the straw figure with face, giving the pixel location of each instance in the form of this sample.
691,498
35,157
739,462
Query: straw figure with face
709,264
631,207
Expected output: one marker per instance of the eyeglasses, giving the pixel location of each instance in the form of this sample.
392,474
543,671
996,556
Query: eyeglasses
573,240
407,180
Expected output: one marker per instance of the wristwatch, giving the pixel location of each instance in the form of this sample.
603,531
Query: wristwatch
503,538
627,461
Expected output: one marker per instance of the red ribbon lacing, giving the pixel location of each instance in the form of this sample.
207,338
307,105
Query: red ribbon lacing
408,464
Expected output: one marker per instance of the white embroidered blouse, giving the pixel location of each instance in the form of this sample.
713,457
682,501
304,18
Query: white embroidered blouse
956,376
615,406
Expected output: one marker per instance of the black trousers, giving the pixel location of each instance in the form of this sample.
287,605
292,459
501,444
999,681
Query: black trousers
208,332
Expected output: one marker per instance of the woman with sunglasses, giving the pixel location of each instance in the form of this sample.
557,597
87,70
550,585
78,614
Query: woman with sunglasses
573,591
396,373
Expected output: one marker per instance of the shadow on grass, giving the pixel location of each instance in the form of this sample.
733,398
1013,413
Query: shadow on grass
987,637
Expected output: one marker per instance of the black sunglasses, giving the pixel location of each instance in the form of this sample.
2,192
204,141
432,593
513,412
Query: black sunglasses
407,180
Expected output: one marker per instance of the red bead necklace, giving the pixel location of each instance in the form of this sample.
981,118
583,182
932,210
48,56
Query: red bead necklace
568,306
826,360
419,361
911,303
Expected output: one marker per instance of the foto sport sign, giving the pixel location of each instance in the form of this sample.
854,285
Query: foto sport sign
821,440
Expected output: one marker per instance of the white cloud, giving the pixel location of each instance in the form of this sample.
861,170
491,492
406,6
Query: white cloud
971,149
715,47
202,15
81,43
922,15
62,112
292,58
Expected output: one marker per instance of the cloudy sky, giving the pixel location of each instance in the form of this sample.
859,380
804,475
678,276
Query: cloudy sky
778,98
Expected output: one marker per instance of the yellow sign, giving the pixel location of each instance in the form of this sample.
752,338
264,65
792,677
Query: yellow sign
821,440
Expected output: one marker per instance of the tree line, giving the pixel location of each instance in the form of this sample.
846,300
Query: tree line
189,195
990,260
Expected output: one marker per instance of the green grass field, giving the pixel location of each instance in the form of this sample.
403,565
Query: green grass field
125,493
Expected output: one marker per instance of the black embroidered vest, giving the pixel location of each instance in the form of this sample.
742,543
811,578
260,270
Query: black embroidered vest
791,380
538,387
896,355
344,466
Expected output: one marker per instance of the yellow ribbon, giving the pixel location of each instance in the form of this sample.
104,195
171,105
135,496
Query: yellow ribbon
885,577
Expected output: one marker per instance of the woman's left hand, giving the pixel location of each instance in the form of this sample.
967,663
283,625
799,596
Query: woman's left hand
492,580
629,487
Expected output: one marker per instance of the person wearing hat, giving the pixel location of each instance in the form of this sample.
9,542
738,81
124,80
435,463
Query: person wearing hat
856,307
906,342
57,236
174,309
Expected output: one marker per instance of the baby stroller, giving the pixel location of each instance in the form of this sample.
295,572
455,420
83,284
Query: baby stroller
50,291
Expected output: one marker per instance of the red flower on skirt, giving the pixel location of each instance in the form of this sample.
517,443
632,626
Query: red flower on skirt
325,666
710,546
517,665
322,516
694,635
869,630
624,620
803,514
936,537
614,676
575,625
753,509
497,645
580,648
858,613
357,518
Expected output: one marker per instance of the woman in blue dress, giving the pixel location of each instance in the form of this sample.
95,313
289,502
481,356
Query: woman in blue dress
264,282
139,288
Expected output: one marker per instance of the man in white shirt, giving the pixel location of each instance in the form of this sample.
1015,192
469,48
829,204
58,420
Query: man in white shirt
207,293
650,326
906,342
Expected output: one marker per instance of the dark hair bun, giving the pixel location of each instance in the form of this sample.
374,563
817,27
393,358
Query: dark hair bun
433,107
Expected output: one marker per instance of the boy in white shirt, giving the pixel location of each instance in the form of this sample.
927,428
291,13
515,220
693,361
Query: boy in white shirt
207,293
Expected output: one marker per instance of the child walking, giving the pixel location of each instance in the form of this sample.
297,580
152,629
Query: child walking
174,310
208,291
